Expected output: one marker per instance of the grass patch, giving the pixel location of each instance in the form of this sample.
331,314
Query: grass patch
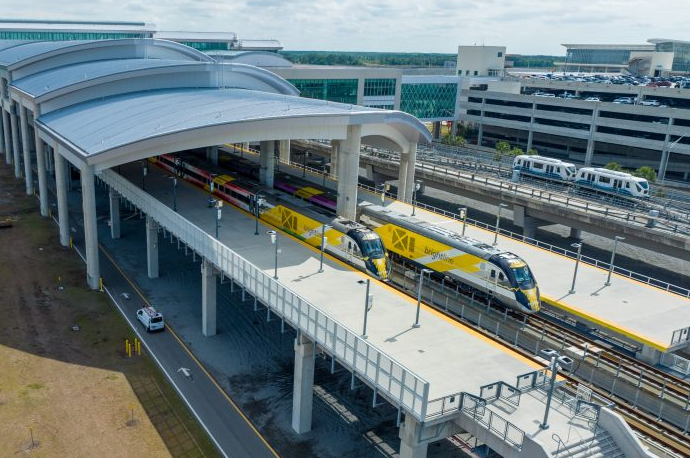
35,386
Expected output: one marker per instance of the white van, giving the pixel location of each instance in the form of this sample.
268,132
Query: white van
151,319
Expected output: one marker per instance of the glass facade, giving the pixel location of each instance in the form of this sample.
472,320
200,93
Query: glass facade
598,56
68,36
379,87
207,45
681,54
335,90
429,100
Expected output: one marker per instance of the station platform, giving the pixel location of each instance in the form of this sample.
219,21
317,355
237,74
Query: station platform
656,320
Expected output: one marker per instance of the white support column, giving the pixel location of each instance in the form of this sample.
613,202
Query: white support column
245,146
61,186
402,177
589,153
42,183
151,246
3,150
214,155
6,134
410,446
284,147
336,146
15,143
26,147
88,195
208,298
267,162
411,152
348,173
115,214
303,385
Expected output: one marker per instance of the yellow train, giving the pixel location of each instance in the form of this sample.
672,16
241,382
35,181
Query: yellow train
499,275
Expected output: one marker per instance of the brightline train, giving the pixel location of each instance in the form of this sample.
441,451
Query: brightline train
347,240
498,275
597,179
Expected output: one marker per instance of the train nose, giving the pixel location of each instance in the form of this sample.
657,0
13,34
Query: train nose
532,296
381,267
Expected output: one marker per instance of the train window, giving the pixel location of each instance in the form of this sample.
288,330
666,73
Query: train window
501,277
538,166
605,180
590,177
627,184
493,273
558,170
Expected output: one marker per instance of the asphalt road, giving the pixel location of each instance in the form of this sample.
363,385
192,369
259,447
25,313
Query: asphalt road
232,433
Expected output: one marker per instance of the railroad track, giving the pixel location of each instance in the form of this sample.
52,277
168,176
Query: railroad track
661,435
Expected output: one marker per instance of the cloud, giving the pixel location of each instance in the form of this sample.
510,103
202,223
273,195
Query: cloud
524,26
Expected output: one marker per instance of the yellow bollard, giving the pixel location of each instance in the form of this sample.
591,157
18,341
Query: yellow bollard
126,346
137,346
70,242
101,283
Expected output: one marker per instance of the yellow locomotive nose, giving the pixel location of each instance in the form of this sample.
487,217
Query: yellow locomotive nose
532,296
381,267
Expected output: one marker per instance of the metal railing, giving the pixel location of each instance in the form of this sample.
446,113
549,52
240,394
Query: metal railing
475,407
677,363
400,384
680,336
501,390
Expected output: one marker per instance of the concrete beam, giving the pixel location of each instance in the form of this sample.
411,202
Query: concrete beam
26,147
114,214
267,163
208,298
214,155
410,444
303,391
88,195
348,173
15,145
151,247
42,183
528,223
61,187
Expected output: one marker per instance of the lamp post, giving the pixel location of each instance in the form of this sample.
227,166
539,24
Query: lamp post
174,182
384,189
415,190
664,165
616,239
217,204
577,263
419,294
274,241
463,214
258,201
324,242
498,222
555,359
368,303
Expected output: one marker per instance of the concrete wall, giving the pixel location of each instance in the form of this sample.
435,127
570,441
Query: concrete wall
621,433
478,60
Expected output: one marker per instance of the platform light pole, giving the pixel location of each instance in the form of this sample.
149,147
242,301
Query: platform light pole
274,241
217,204
324,242
415,190
258,201
577,263
368,303
463,214
419,294
174,181
616,239
385,187
498,222
555,359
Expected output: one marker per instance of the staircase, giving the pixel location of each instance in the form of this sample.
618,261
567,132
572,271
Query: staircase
599,446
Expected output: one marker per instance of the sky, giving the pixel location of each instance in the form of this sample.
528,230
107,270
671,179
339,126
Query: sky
524,26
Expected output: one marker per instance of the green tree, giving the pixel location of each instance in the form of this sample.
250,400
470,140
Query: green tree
646,172
516,151
502,148
533,152
615,166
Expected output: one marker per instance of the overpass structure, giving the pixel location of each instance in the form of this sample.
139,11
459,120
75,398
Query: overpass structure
99,106
534,207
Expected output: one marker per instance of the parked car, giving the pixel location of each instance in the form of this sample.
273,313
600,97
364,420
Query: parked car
151,319
592,99
650,103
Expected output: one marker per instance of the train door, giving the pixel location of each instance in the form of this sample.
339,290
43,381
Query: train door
617,185
549,169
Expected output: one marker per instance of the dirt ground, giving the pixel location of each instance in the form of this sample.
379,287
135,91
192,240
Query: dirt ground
74,391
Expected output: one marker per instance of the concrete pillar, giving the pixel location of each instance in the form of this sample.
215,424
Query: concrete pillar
529,139
49,161
6,134
406,172
303,388
410,433
336,146
15,143
88,195
245,146
575,233
649,355
454,128
480,134
61,187
284,150
214,155
26,147
528,223
115,214
42,183
151,246
402,177
437,130
348,173
663,164
589,154
3,150
208,299
267,163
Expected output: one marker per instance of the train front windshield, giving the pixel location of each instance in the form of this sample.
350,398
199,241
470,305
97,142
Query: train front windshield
373,248
523,277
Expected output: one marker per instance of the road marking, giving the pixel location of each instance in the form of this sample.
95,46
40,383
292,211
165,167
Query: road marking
185,371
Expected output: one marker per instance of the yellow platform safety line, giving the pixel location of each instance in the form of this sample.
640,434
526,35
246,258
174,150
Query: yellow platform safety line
402,295
191,355
607,324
